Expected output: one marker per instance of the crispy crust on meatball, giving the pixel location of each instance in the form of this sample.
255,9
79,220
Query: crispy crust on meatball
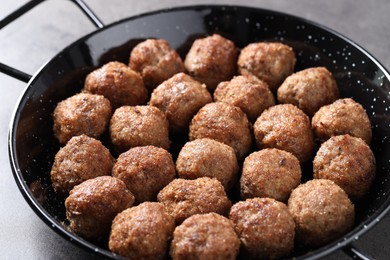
225,123
322,212
156,61
285,127
246,92
93,204
184,198
211,60
132,126
205,236
82,113
270,173
265,227
117,82
344,116
208,158
145,171
82,158
271,62
142,232
349,162
309,89
180,98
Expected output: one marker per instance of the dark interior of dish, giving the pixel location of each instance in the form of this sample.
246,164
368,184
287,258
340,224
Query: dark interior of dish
33,146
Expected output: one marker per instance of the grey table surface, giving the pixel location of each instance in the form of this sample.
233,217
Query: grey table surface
37,36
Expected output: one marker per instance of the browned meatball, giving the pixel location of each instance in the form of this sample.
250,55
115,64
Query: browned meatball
309,89
208,158
132,126
93,204
205,236
344,116
180,97
265,227
142,232
117,82
285,127
211,60
246,92
270,173
271,62
145,171
322,212
82,158
184,198
225,123
156,61
82,113
349,162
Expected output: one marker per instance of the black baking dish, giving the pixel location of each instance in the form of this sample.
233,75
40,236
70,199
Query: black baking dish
32,145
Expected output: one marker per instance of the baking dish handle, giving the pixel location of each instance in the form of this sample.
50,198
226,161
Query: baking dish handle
18,74
355,253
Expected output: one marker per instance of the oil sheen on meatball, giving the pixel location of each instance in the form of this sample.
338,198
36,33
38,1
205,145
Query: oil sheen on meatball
132,126
211,60
145,170
322,212
117,82
205,236
349,162
285,127
93,204
180,97
270,173
309,89
265,227
184,198
208,158
156,61
271,62
82,113
225,123
344,116
142,232
82,158
246,92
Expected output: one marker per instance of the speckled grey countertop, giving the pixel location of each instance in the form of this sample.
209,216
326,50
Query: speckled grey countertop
37,36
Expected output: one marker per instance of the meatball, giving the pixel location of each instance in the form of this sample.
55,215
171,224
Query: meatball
285,127
225,123
205,236
322,212
180,98
265,227
309,89
93,204
211,60
132,126
184,198
349,162
142,232
271,62
82,158
117,82
270,173
82,113
344,116
208,158
145,171
248,93
156,61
